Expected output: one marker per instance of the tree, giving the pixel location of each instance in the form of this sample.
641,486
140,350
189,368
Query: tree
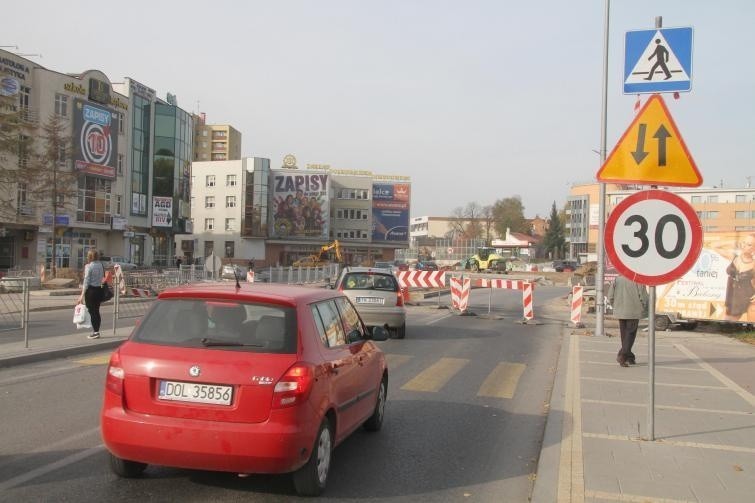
465,223
554,241
508,213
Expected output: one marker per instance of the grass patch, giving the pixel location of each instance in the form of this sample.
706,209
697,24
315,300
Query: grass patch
747,336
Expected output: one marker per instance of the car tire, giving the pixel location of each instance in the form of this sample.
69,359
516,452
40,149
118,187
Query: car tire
662,322
475,267
126,469
401,331
310,479
375,422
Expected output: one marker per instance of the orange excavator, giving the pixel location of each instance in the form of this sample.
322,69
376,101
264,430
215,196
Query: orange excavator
321,257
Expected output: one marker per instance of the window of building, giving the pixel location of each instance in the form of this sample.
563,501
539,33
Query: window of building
118,205
121,123
218,157
740,214
712,199
120,163
230,180
204,132
94,196
712,215
209,224
21,207
230,201
203,144
229,249
193,202
218,145
61,105
740,198
696,199
62,155
210,181
209,201
230,224
209,247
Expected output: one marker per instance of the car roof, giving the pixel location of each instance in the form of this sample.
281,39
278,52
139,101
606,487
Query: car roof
376,270
290,295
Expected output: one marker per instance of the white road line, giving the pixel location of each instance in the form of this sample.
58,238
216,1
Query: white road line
673,385
666,367
571,479
669,407
718,375
44,470
439,319
674,443
632,498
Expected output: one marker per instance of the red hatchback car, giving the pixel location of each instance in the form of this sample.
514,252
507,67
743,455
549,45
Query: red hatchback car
256,379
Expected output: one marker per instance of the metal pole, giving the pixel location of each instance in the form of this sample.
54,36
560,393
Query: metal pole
116,297
25,314
490,298
600,273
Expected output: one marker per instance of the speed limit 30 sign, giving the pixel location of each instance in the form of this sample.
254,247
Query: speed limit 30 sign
653,237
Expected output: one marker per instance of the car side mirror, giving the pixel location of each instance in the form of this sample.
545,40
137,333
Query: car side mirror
378,333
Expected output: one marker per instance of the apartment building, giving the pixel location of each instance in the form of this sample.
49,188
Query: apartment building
215,142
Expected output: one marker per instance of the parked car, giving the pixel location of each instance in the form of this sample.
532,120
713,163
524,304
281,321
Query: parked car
383,265
263,379
377,296
400,265
232,271
125,264
564,265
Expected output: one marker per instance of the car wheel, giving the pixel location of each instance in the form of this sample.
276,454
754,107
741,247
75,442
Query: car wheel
662,322
475,267
126,469
401,331
375,422
310,479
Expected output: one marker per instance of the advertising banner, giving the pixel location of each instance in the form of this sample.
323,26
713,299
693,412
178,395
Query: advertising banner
721,284
300,206
95,140
162,211
390,211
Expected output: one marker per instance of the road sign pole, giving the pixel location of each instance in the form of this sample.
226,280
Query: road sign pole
651,364
600,273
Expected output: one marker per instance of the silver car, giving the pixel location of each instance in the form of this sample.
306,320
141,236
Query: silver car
377,296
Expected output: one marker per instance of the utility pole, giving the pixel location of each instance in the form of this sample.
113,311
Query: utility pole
600,306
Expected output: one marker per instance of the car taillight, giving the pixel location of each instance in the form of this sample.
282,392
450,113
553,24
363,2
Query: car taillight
294,387
400,297
115,374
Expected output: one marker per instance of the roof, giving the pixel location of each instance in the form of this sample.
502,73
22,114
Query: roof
259,292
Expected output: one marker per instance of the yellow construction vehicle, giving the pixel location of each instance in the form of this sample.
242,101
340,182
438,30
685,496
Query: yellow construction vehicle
321,257
485,258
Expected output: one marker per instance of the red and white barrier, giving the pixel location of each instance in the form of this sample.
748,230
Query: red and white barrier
250,277
576,305
527,302
119,279
508,284
460,293
139,292
422,279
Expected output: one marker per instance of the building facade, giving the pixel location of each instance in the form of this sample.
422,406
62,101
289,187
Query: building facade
215,142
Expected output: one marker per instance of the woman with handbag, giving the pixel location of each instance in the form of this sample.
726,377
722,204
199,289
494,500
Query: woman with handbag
91,291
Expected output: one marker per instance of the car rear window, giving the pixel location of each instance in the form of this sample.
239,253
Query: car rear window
220,324
369,281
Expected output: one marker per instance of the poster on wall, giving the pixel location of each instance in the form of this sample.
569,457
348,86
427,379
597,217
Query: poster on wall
299,203
719,286
95,140
390,211
162,211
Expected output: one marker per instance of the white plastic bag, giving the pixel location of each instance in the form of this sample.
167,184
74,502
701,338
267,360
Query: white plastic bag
81,316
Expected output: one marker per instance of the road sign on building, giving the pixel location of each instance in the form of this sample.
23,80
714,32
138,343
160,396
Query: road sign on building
658,60
651,152
653,237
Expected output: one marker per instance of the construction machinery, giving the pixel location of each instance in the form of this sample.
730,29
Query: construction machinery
322,256
484,259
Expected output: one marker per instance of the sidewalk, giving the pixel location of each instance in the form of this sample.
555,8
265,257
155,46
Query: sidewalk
597,428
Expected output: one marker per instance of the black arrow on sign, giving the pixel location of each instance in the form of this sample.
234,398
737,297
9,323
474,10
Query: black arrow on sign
639,154
662,134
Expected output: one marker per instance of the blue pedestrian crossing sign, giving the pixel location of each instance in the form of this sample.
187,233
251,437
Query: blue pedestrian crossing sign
658,60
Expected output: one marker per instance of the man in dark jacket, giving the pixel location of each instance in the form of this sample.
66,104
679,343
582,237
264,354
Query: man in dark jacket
630,304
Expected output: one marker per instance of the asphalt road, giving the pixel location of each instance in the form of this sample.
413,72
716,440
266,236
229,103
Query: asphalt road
466,410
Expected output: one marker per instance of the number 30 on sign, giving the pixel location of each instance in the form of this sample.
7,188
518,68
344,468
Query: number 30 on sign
653,237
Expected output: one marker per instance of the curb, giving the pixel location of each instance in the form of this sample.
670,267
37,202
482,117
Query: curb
52,354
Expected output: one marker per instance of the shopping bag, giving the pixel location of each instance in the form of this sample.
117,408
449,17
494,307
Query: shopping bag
79,313
87,323
107,292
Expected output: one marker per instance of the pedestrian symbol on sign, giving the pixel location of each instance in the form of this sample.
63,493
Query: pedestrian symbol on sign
661,58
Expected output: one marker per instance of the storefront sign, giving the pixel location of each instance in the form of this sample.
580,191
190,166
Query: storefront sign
119,223
162,211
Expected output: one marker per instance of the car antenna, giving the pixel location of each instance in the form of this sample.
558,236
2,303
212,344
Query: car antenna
236,275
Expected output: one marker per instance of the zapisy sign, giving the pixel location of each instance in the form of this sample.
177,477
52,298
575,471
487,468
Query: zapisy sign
422,279
653,237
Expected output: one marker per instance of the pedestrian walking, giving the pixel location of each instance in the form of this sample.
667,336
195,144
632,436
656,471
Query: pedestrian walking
178,262
91,291
630,304
251,264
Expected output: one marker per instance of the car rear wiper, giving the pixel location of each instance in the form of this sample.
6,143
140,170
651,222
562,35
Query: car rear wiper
220,342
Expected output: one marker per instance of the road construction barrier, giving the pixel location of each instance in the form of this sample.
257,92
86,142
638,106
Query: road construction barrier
250,276
576,305
527,302
460,293
422,279
525,286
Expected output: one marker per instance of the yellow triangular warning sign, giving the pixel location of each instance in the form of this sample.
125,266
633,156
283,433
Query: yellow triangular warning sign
651,152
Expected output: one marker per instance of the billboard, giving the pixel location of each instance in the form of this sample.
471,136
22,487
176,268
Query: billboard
721,284
95,140
300,206
162,211
390,211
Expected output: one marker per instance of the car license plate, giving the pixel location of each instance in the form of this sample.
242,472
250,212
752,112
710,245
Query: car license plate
370,300
195,392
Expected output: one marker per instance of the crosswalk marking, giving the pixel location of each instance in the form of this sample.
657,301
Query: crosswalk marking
395,360
436,376
502,381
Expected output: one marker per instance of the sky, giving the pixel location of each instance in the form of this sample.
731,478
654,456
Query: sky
476,101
